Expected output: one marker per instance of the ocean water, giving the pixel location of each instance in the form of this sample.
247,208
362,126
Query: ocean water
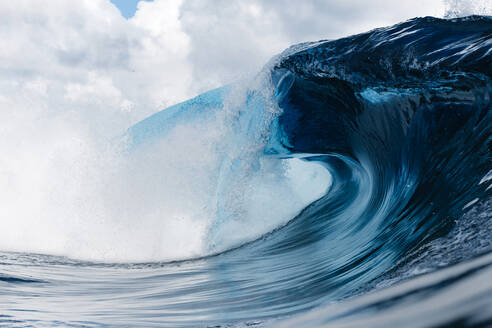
348,184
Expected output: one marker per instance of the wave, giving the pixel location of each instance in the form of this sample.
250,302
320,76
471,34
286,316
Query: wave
397,116
345,166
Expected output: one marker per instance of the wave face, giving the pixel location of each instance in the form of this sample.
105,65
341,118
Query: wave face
344,168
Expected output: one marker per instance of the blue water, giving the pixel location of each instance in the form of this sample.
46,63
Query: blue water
400,117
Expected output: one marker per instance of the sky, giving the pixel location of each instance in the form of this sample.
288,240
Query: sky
78,59
126,7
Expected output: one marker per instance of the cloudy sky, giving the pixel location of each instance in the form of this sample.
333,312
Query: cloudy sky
84,57
103,65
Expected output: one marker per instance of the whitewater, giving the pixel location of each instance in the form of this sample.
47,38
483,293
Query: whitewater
347,184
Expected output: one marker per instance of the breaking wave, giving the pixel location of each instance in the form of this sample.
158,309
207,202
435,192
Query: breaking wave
345,166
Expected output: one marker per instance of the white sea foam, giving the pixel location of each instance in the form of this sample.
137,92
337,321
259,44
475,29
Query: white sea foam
461,8
67,190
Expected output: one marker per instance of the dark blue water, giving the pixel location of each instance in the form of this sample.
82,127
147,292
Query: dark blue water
401,117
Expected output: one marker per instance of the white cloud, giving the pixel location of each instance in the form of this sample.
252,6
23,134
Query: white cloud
232,37
171,49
